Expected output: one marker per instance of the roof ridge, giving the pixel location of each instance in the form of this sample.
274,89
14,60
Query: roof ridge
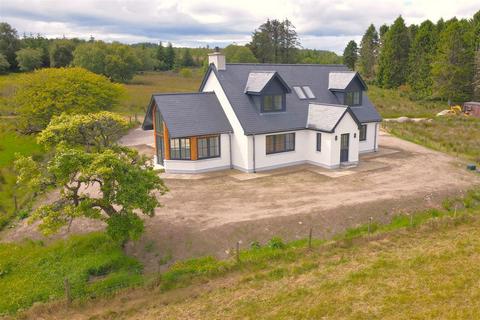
181,93
288,64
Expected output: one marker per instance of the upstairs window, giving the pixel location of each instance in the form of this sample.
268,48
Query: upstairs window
180,149
353,98
280,143
209,147
273,103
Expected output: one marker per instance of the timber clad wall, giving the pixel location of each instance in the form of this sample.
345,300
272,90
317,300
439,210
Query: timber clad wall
193,148
166,142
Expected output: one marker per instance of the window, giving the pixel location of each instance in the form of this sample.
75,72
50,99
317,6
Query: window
280,143
180,149
353,98
209,147
319,142
363,132
308,92
300,93
272,103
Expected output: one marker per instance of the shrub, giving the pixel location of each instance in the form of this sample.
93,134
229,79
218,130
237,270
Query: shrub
186,73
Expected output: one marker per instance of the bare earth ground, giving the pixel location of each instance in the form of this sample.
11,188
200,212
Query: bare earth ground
209,214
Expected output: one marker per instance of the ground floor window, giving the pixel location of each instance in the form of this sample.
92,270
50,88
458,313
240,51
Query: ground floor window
180,149
280,143
319,142
209,147
363,132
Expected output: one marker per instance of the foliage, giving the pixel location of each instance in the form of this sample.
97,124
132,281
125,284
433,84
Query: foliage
48,92
169,57
116,61
420,61
392,69
453,64
187,59
476,78
456,135
275,42
98,130
33,272
29,59
146,57
9,44
61,53
40,43
4,65
239,54
186,73
125,183
350,55
160,55
313,56
368,52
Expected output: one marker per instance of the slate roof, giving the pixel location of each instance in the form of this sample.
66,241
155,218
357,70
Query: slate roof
326,117
234,80
258,80
189,114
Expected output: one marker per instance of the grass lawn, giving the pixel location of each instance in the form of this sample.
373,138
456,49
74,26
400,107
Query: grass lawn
421,266
392,103
141,88
33,272
456,135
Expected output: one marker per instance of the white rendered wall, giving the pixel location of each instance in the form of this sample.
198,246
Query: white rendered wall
346,125
202,165
240,142
371,144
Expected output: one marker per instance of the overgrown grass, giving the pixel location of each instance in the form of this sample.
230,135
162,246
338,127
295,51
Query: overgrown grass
456,135
393,103
141,88
32,272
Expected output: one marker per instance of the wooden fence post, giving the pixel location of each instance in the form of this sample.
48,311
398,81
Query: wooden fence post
68,294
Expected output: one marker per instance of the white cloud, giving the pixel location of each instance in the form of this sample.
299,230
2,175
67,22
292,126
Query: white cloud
321,24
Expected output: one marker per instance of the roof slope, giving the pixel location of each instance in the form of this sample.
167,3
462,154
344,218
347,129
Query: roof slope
191,114
325,117
234,80
258,80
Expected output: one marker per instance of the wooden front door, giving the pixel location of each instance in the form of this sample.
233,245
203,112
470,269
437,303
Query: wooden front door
344,146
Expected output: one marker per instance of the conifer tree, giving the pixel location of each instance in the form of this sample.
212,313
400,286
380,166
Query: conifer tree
350,55
169,57
160,55
368,52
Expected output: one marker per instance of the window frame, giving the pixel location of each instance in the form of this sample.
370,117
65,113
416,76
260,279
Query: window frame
319,141
273,95
352,93
274,138
362,134
181,147
208,147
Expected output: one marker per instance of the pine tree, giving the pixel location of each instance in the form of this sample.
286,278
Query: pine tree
420,60
476,79
350,55
160,55
187,59
393,63
453,65
368,52
169,57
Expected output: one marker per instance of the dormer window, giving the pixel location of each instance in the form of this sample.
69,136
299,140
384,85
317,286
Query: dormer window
353,98
273,103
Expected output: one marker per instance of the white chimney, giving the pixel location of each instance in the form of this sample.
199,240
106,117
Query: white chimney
218,59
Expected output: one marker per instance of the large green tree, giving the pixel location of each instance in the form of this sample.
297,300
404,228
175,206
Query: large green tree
420,60
94,131
350,54
238,54
29,59
9,44
113,185
476,78
61,53
40,43
368,53
169,57
275,42
393,61
187,59
47,92
4,65
453,64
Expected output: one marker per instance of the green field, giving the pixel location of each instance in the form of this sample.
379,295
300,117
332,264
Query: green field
421,266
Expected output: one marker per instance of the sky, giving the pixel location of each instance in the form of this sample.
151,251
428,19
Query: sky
320,24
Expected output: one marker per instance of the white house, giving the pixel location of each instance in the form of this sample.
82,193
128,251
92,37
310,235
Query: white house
255,117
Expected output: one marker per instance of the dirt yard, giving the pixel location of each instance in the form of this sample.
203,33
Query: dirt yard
207,215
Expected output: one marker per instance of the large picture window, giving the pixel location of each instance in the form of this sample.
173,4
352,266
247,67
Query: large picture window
209,147
363,132
353,98
180,149
272,103
280,143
